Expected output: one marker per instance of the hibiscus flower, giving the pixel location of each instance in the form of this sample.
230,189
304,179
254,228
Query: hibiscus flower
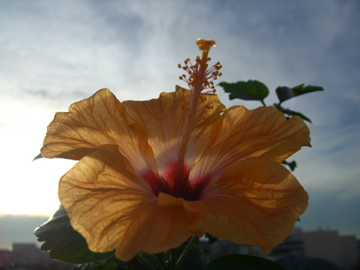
153,173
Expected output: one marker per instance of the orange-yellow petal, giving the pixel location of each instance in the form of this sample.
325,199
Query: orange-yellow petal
113,209
165,120
256,202
93,122
242,134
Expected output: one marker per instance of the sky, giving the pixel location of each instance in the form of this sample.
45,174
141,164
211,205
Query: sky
54,53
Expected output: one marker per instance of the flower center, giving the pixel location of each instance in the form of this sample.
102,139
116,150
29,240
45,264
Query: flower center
176,184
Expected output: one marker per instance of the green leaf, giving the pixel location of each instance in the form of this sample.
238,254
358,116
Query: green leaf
235,262
64,243
292,165
110,266
38,157
196,259
285,93
292,113
250,90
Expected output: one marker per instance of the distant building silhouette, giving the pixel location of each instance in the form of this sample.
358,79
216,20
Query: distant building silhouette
27,256
223,248
5,259
316,250
327,245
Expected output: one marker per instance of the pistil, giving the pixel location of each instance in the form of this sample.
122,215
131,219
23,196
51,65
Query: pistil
200,78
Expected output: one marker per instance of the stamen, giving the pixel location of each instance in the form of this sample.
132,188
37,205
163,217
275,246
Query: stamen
200,77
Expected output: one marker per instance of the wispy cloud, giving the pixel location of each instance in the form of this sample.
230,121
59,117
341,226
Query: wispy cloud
53,54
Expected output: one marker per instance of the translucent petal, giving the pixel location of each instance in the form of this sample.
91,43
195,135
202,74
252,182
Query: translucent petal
114,209
256,202
242,134
96,121
165,121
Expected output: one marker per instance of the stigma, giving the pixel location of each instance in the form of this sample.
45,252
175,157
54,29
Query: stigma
205,45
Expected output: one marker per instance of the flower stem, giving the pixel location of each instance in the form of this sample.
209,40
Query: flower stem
144,262
186,251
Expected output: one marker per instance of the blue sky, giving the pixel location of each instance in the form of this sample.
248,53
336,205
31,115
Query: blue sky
53,53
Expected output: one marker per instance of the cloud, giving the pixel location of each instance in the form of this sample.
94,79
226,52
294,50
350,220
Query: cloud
55,54
62,48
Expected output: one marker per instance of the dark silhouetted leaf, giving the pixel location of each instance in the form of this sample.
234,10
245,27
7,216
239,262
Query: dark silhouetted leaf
235,262
64,243
38,157
292,165
292,113
195,260
285,93
250,90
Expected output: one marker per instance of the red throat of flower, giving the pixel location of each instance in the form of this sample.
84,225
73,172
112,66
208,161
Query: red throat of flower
176,184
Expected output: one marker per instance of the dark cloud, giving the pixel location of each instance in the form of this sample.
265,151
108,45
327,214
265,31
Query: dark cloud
50,95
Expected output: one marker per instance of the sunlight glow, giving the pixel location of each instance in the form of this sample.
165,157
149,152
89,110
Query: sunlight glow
26,186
